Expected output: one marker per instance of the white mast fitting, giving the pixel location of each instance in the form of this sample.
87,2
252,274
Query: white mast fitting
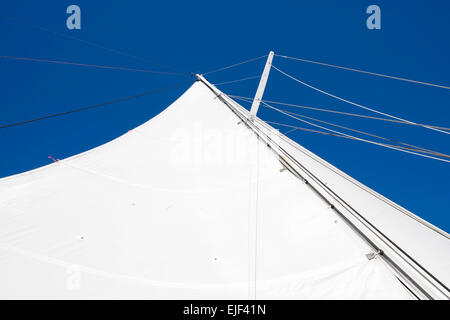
261,87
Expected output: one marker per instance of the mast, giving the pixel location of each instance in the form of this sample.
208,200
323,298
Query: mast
261,87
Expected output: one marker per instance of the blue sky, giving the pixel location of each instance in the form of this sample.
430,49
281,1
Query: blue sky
198,36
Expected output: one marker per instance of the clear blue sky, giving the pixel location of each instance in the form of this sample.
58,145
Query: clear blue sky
197,36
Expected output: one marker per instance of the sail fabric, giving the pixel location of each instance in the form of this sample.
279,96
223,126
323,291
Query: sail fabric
189,205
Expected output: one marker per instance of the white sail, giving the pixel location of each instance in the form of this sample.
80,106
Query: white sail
199,203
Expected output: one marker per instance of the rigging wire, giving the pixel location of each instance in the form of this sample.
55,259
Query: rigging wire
90,65
331,134
90,43
233,81
363,71
360,139
305,129
412,147
408,146
95,105
342,113
234,65
353,103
